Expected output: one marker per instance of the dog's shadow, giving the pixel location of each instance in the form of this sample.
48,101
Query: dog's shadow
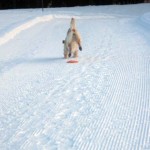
46,60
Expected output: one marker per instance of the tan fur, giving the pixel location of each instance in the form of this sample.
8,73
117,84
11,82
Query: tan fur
72,41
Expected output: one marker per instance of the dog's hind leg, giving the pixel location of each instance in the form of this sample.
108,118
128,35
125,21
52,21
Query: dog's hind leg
69,55
75,55
65,54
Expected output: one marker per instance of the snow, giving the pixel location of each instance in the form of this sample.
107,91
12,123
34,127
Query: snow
103,102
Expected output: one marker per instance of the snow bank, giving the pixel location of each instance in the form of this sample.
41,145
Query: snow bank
145,20
90,16
10,35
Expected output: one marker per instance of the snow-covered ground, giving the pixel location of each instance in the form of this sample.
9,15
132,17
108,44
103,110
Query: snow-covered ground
101,103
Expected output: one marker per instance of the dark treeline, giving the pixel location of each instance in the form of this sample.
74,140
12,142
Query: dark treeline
9,4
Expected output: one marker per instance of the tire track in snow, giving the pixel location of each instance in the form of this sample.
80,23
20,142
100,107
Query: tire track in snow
123,132
56,105
41,105
105,73
135,96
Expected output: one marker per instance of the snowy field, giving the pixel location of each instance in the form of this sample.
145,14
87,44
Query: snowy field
101,103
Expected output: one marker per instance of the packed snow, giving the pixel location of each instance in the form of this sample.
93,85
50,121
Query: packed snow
100,103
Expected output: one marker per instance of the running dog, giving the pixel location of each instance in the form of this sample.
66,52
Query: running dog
72,42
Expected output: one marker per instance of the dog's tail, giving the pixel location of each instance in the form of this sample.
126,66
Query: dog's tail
72,24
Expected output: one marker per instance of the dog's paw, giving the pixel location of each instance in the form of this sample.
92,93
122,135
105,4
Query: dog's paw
80,48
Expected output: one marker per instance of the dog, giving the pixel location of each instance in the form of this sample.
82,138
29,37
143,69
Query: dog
72,42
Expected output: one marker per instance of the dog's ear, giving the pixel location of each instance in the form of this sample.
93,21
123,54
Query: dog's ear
63,41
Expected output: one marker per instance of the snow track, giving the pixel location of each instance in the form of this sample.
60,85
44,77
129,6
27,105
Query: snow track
101,103
10,35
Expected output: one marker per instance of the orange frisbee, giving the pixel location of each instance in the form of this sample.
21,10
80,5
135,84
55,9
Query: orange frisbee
72,61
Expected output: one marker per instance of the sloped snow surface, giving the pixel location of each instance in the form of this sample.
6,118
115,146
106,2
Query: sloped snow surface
100,103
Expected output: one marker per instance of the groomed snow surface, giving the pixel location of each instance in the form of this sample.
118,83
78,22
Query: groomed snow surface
101,103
